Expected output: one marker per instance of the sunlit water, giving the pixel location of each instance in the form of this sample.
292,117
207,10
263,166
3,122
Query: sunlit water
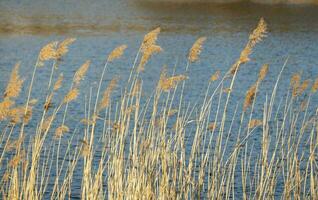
102,25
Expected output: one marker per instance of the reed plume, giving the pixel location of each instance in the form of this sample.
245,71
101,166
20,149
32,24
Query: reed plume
71,95
150,39
14,162
262,73
254,123
47,52
116,53
314,87
148,48
215,76
249,97
62,47
196,49
61,130
256,36
15,83
5,106
104,103
301,89
48,102
47,123
80,73
212,126
147,53
168,83
58,83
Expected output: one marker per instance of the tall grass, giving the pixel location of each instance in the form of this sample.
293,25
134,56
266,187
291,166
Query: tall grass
161,147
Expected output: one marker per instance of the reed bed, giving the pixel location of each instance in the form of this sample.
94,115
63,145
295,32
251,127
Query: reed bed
157,147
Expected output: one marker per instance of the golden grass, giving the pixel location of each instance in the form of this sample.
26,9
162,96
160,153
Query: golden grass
158,147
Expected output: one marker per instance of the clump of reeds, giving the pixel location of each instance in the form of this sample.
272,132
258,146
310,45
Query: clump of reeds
159,146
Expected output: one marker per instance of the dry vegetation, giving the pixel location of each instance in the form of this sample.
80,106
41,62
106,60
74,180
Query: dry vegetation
134,148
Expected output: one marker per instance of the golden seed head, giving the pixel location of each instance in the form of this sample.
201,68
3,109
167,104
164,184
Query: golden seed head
14,162
48,102
172,112
295,80
168,83
196,49
15,83
303,105
147,53
14,144
62,47
259,32
48,52
104,103
47,123
80,73
249,98
263,72
71,95
150,39
117,53
61,130
254,123
314,87
5,106
215,76
58,83
212,126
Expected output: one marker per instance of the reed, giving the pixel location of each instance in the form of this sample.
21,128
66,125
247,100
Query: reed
132,146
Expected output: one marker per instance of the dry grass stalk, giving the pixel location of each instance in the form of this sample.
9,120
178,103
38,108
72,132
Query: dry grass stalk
58,83
62,47
117,53
196,49
104,103
71,95
249,98
61,130
137,88
80,73
215,76
263,72
254,123
14,86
